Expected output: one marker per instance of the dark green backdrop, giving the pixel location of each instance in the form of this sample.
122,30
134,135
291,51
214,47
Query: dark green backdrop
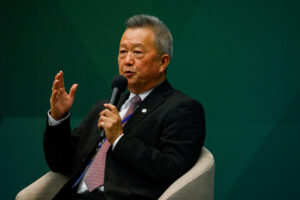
239,58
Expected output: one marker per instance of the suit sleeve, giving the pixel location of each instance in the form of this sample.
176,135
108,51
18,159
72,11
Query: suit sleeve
58,147
60,142
181,139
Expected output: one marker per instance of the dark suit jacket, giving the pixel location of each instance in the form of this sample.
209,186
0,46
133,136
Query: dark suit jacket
158,147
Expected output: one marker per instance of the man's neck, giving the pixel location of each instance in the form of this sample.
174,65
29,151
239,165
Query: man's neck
140,91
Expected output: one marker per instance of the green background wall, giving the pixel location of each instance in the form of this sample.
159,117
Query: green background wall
239,58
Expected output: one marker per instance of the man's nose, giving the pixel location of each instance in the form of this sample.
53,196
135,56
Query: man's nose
129,60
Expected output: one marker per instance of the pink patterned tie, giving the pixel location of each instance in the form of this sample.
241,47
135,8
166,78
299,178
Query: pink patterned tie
134,103
95,174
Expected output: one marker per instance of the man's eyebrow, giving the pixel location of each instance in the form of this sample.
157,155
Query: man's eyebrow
135,45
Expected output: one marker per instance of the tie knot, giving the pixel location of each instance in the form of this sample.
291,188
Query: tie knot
136,100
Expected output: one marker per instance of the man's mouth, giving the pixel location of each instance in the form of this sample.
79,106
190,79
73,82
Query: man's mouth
128,73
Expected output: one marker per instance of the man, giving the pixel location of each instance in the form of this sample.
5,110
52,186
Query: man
158,143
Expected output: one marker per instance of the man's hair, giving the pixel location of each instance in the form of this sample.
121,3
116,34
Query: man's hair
163,39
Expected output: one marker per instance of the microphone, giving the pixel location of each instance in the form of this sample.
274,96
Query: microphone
118,85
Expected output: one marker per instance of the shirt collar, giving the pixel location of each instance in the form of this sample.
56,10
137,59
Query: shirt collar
144,94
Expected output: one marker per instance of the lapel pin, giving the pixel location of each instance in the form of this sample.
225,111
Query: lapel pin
144,110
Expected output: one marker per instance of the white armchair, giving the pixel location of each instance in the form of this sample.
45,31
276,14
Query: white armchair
197,183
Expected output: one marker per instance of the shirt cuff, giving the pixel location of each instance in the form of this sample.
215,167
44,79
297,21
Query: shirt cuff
117,140
53,122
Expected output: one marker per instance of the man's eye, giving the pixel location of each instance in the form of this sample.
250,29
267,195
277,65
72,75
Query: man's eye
122,51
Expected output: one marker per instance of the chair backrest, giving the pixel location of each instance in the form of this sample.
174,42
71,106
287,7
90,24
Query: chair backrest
197,183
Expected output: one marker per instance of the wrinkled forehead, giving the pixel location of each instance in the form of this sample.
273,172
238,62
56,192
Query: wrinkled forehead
138,36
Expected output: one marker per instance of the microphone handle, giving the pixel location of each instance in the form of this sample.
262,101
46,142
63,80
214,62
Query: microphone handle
102,133
115,95
113,100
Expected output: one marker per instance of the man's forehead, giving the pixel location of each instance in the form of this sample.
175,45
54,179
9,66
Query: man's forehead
137,36
124,43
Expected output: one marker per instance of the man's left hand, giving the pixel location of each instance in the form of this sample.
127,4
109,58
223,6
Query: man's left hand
110,121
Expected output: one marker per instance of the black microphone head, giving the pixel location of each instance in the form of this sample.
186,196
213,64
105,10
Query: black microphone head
119,82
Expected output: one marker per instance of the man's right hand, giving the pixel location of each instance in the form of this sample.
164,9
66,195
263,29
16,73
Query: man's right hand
60,101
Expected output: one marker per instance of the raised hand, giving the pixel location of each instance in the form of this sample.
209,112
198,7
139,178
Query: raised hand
60,101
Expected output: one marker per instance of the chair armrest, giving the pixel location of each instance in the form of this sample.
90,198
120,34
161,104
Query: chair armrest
197,183
44,188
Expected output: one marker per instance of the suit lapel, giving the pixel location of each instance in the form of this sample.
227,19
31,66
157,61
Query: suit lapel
150,103
122,100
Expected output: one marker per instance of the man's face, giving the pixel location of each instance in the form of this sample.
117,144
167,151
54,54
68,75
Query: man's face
139,61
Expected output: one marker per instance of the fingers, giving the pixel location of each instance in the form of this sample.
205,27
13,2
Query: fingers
73,90
110,111
110,121
109,116
60,100
61,78
106,113
107,122
55,85
59,86
53,96
101,122
104,122
58,81
111,107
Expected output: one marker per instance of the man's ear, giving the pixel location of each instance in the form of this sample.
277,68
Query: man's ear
164,62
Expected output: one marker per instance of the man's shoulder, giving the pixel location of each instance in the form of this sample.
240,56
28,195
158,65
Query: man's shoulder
180,96
175,97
